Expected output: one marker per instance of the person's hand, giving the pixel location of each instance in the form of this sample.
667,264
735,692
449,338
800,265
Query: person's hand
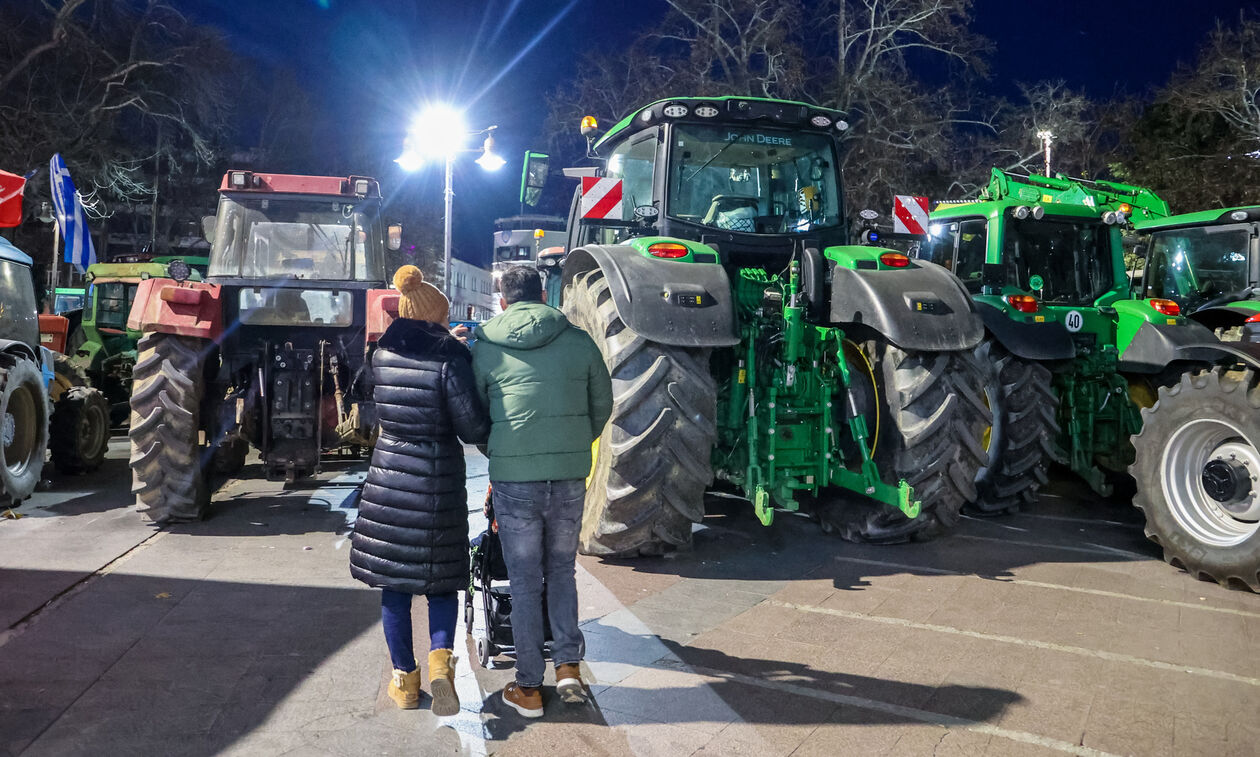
461,333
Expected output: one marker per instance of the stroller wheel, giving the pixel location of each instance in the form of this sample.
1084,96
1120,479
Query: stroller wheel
468,617
485,651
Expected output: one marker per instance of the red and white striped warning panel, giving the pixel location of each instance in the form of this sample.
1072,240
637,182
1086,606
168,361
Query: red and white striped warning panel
910,214
601,198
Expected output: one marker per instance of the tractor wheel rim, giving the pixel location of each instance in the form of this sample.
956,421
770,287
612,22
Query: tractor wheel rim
20,432
93,425
1209,474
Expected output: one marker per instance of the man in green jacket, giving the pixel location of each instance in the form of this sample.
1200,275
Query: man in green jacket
549,396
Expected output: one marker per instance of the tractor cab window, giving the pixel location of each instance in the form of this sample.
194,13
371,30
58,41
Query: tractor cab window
113,303
632,162
1072,259
508,254
18,318
959,246
1195,265
761,181
282,306
327,239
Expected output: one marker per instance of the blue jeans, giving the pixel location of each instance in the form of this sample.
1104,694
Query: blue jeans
538,526
396,618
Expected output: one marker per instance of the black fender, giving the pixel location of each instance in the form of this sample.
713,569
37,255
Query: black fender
655,298
1029,341
1155,346
1220,317
20,349
922,307
1234,352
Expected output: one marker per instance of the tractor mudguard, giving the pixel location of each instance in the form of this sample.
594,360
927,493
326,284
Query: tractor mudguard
1155,346
1030,341
1222,316
21,349
169,307
918,308
657,299
1243,352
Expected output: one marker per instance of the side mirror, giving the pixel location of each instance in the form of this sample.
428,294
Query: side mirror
207,228
394,236
534,177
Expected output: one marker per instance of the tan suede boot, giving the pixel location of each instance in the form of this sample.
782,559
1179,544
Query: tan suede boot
442,682
404,689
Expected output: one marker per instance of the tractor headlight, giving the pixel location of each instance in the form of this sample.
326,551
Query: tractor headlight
675,110
178,270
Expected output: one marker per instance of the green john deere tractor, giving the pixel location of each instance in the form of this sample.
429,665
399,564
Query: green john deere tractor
1199,448
1074,365
103,347
748,342
1208,263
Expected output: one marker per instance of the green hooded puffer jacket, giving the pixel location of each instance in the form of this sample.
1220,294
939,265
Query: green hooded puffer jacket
547,390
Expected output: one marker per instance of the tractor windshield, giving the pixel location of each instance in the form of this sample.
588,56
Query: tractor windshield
1071,259
761,181
17,304
1195,265
110,303
287,237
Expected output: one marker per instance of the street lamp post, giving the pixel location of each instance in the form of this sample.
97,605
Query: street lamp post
440,133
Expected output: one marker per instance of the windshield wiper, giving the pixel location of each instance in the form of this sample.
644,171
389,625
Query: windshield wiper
710,160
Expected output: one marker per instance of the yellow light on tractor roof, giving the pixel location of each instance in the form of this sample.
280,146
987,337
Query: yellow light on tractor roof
589,125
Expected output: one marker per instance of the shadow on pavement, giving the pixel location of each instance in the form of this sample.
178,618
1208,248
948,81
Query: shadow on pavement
696,687
153,665
730,544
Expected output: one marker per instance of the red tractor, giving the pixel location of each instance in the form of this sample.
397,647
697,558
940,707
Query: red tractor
272,350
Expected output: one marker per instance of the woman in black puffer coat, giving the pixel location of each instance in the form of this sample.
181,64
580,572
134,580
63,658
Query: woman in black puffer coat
411,536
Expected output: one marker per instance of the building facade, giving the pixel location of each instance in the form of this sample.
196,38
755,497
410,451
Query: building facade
472,292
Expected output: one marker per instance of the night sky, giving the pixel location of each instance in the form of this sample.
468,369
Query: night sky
500,58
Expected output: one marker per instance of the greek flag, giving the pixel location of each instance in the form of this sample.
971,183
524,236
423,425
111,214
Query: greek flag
71,220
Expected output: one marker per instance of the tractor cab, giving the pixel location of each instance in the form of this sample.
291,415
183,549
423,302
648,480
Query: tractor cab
741,174
322,235
1208,263
1059,255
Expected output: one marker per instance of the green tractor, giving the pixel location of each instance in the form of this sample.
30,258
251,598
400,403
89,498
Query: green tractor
1075,367
103,347
1208,263
1199,449
748,342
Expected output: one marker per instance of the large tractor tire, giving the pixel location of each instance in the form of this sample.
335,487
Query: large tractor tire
1020,444
652,461
166,451
931,420
79,434
1198,475
23,428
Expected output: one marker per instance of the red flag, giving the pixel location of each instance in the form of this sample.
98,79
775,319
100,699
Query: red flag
11,188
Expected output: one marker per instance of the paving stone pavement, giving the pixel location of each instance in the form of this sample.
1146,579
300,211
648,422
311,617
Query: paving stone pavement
1054,631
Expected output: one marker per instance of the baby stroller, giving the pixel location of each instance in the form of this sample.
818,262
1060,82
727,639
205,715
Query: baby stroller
489,577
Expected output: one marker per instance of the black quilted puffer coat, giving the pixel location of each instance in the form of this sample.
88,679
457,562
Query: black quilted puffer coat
412,531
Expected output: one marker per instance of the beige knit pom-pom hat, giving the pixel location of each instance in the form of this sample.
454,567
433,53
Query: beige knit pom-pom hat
420,300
